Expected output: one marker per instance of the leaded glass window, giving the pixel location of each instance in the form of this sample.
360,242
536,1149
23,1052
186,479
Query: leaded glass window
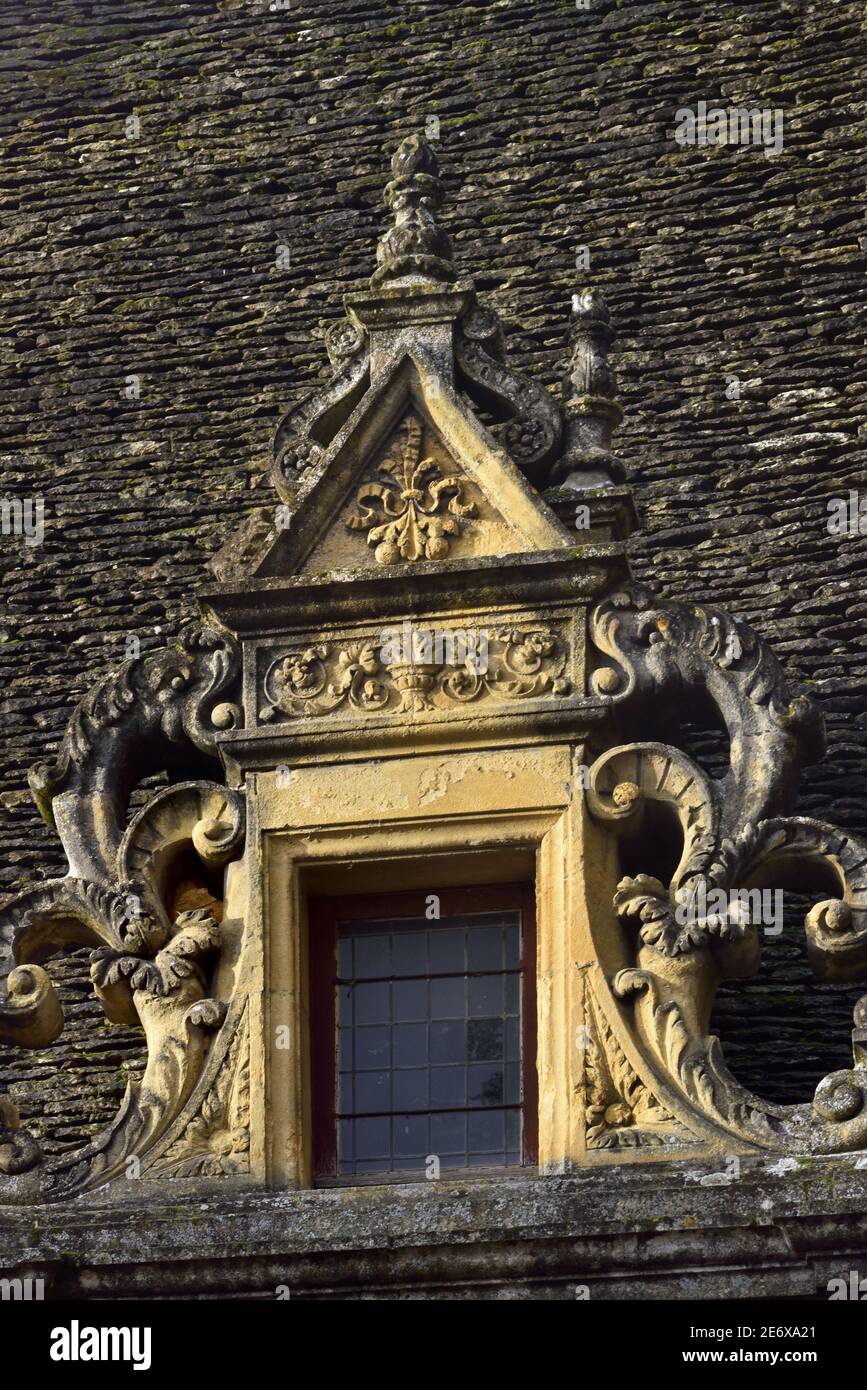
429,1022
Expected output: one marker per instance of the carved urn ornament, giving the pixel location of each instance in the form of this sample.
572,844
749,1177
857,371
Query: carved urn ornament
415,669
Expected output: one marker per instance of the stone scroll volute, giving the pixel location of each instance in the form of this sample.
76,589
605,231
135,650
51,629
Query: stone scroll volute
700,924
152,953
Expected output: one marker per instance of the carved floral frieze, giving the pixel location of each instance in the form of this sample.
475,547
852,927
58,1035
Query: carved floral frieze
443,670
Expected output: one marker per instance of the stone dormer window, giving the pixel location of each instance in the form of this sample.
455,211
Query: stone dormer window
424,675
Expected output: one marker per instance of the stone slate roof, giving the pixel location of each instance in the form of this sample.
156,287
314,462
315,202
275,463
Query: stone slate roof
156,257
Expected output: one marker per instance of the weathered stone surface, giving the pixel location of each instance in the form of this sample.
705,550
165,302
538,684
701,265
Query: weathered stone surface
776,1232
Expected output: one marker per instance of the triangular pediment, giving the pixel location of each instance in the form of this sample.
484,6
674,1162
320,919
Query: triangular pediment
425,448
413,476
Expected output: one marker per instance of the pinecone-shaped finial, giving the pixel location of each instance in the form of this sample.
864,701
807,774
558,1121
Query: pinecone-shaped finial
415,248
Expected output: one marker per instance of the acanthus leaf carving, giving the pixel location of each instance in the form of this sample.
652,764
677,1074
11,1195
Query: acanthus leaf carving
150,964
621,1111
215,1142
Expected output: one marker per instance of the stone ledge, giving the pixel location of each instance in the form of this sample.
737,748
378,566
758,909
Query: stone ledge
624,1232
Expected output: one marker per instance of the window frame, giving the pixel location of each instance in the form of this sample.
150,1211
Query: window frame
324,916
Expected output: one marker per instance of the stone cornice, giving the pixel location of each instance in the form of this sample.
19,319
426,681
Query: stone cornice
264,606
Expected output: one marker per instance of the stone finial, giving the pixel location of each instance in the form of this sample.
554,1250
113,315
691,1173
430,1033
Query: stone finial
590,389
590,382
415,247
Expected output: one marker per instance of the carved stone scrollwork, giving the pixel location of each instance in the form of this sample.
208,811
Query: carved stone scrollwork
162,989
517,663
146,969
320,679
621,1111
166,994
163,825
151,963
529,662
216,1141
534,424
705,924
154,712
786,849
671,653
305,432
19,1151
30,1016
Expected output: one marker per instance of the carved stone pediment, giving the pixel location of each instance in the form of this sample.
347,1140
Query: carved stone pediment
412,475
415,501
428,656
